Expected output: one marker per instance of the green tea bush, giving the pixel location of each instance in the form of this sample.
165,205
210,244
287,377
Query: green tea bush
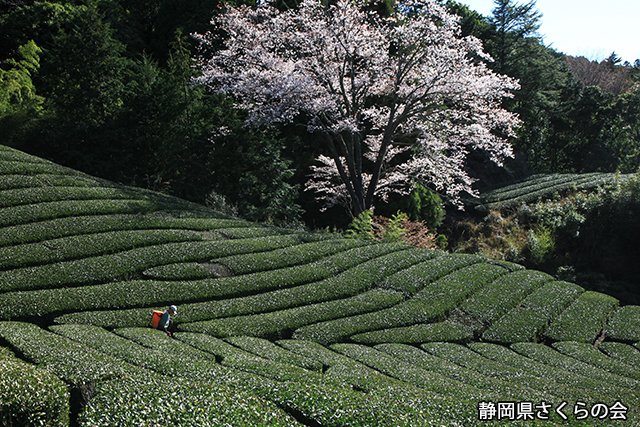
11,182
30,167
178,402
532,183
425,307
86,245
30,396
602,383
299,294
170,357
237,358
252,232
535,388
111,319
370,273
340,329
26,196
413,279
623,352
387,401
73,362
189,363
343,368
11,154
102,340
450,290
501,295
330,405
399,406
113,266
271,351
287,257
352,279
527,321
337,407
403,371
149,293
326,404
624,324
538,383
584,319
264,281
116,260
89,224
508,357
178,271
541,187
25,214
464,356
560,383
281,322
417,334
502,389
590,354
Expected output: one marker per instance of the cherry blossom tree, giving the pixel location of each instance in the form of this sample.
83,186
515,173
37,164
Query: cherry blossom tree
397,100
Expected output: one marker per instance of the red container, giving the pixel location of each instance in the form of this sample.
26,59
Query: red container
155,320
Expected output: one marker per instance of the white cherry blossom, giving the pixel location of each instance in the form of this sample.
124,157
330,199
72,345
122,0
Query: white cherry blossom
397,100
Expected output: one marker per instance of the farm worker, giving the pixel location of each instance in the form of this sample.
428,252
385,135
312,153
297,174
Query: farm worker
165,320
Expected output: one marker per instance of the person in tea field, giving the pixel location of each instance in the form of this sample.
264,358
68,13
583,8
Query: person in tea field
165,319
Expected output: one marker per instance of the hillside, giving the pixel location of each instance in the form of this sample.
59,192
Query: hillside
281,327
541,187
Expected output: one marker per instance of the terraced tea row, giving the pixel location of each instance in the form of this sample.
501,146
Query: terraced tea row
268,375
87,245
543,186
143,293
624,324
115,266
80,264
371,295
528,321
283,327
318,301
20,404
93,224
244,376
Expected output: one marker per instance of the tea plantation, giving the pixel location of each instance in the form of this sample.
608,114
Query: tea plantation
279,327
541,187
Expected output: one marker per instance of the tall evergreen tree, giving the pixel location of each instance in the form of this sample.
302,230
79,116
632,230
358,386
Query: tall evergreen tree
515,24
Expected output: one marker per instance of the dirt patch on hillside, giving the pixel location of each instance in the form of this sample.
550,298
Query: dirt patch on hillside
217,269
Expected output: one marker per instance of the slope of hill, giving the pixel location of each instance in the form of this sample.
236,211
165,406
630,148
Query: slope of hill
281,327
541,187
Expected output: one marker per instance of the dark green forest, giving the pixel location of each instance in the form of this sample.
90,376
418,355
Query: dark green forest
106,87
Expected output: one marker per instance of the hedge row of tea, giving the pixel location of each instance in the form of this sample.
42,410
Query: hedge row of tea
30,395
143,375
543,186
281,327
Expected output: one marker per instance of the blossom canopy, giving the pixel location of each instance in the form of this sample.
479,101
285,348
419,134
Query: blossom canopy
398,100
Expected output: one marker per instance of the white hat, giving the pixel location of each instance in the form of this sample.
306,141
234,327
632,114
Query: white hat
174,309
